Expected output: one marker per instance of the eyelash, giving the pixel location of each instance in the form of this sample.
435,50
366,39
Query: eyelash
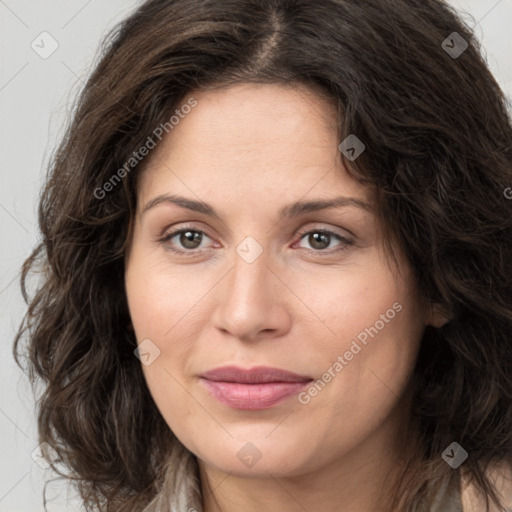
346,242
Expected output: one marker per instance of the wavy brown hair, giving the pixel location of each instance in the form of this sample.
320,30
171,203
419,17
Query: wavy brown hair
438,142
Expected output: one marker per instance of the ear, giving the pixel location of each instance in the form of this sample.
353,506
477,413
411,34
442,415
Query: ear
437,316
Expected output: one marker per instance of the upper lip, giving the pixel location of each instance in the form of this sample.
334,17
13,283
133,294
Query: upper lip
255,375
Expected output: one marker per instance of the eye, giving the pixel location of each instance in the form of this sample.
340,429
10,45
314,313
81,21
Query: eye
188,238
320,239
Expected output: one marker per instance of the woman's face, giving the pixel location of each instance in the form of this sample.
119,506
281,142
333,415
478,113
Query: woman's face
269,280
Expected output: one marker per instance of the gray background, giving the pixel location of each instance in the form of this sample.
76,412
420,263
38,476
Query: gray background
36,95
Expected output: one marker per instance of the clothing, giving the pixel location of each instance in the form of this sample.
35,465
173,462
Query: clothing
447,501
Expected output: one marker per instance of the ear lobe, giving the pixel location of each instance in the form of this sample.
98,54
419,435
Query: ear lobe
437,315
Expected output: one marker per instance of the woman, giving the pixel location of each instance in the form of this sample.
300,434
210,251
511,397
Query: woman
276,263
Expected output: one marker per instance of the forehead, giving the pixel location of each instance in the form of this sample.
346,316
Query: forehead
253,138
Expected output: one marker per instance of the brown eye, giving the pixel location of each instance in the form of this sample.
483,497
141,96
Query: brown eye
319,240
190,239
185,239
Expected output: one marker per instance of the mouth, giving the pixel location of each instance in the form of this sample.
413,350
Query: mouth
255,388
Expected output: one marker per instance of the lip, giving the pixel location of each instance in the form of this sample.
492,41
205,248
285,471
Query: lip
255,375
254,388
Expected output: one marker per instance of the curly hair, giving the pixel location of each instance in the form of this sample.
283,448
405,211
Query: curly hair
438,139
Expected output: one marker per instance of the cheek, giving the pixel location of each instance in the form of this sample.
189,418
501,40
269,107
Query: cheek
345,303
364,368
161,309
165,307
367,337
160,296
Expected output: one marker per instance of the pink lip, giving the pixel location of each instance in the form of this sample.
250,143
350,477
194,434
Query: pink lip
255,388
255,375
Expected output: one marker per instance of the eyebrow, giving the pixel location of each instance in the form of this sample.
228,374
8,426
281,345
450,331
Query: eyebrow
292,210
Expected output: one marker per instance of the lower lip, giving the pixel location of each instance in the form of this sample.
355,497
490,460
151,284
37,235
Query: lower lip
253,396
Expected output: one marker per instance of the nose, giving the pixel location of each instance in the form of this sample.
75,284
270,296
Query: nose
251,301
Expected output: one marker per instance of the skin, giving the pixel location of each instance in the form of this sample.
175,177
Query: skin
249,150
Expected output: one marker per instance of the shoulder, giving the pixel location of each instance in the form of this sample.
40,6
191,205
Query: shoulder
501,476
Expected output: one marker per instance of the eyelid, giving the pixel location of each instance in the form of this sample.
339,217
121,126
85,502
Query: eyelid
322,228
